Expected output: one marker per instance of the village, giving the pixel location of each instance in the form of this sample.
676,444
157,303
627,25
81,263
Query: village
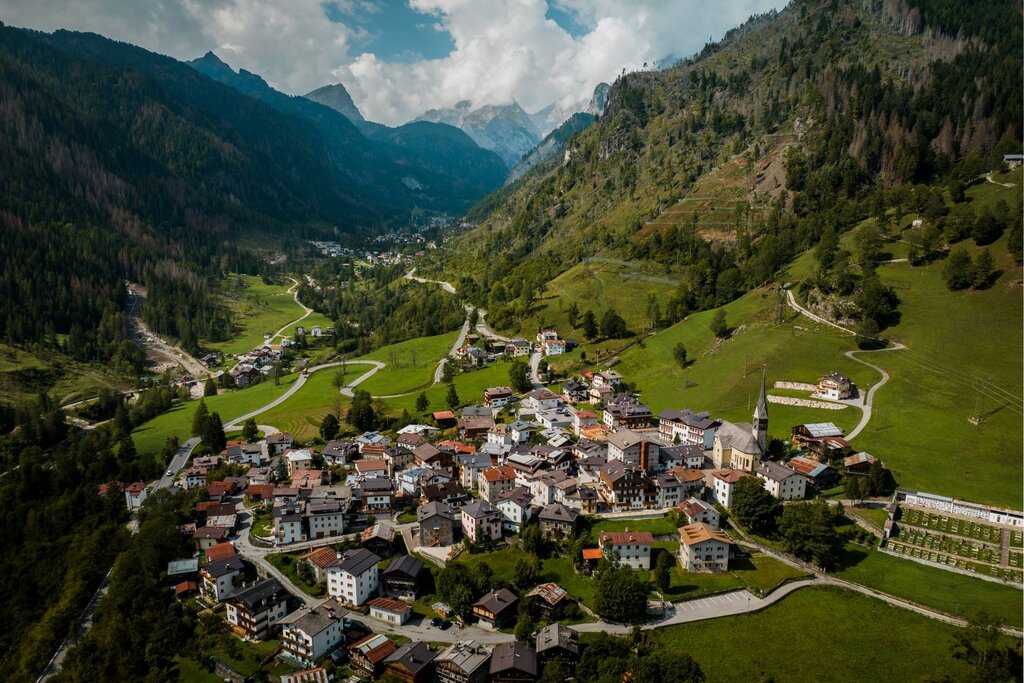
335,550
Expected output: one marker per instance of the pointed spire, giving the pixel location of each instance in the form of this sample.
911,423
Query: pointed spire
759,426
762,401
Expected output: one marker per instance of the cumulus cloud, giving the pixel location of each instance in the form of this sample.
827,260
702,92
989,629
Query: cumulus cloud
503,49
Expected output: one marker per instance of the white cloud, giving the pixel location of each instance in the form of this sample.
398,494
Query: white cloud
504,49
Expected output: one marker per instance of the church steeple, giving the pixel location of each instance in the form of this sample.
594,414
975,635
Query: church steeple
759,426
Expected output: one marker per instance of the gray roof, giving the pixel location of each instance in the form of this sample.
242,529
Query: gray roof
467,655
187,566
822,429
405,564
737,436
434,510
480,508
624,438
556,512
355,562
774,471
497,601
414,656
558,636
261,594
312,621
223,567
514,657
521,496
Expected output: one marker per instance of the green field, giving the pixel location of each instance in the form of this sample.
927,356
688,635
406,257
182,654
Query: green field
285,563
937,588
410,364
724,376
469,385
818,634
258,309
760,575
658,526
301,414
150,436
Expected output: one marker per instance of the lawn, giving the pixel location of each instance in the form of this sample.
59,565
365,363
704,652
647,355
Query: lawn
150,436
258,309
876,516
724,377
244,657
286,563
822,635
301,414
559,570
658,526
760,575
410,364
942,590
469,385
503,562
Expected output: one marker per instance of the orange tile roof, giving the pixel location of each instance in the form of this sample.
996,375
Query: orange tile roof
389,604
685,474
729,475
371,465
220,551
592,554
321,557
624,537
700,532
503,473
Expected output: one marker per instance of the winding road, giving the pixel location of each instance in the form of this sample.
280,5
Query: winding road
294,291
868,402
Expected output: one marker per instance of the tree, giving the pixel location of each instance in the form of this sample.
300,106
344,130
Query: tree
621,594
452,397
213,434
663,570
519,376
667,666
525,573
524,627
361,414
422,403
555,672
754,507
531,541
338,381
249,430
679,354
574,314
984,269
991,656
329,427
869,246
958,271
653,311
589,325
199,418
854,487
447,371
808,531
987,228
719,326
867,334
879,480
613,326
210,388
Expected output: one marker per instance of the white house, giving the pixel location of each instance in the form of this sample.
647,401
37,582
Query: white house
299,459
135,495
724,482
287,525
390,610
699,511
352,578
633,548
218,578
255,610
516,508
702,548
780,481
835,386
326,518
544,399
310,633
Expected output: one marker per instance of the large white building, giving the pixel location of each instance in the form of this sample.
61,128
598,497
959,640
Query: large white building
326,518
352,578
702,548
312,632
633,548
780,481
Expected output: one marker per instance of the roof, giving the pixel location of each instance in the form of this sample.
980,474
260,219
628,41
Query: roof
261,593
684,474
774,471
444,415
807,466
836,377
692,506
730,475
544,395
186,566
822,429
592,553
692,534
364,466
434,509
737,436
624,438
550,593
626,537
413,656
356,562
389,605
479,508
214,532
467,655
321,557
220,551
493,474
556,512
375,647
404,564
497,601
558,636
383,531
224,567
185,587
514,657
859,459
313,620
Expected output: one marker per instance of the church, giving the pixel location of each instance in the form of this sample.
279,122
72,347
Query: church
742,445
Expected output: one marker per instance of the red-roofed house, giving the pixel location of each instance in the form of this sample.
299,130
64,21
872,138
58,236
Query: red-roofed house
632,547
135,495
220,551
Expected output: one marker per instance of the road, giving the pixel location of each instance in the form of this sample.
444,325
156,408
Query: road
84,621
148,340
446,286
535,369
294,290
867,403
484,330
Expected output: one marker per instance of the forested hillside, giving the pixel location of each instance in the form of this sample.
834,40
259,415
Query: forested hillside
852,101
